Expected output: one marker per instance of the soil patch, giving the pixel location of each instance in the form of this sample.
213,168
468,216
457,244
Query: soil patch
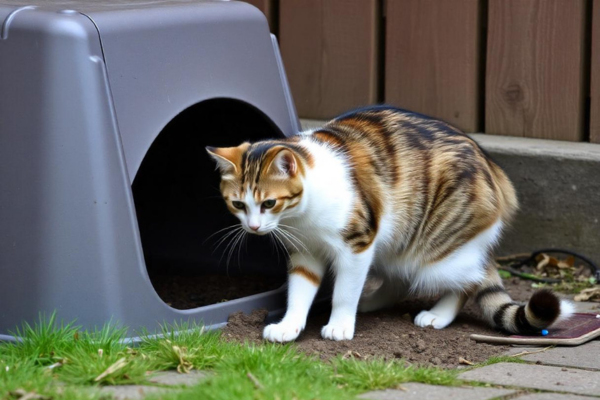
184,292
391,334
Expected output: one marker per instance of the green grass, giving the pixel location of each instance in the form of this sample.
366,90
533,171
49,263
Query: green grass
183,346
501,359
43,342
379,374
58,360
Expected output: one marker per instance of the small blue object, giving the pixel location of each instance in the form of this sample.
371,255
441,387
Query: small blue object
544,332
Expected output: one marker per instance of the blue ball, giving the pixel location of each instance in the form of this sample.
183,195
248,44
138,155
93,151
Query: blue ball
544,332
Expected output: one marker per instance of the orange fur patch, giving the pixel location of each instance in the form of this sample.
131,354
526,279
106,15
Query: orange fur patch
306,273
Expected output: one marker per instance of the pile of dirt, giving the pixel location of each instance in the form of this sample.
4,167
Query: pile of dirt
184,292
390,334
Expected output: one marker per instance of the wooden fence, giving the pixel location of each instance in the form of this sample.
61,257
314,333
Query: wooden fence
512,67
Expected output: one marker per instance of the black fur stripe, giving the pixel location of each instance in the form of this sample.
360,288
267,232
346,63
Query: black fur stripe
244,167
521,323
489,291
499,314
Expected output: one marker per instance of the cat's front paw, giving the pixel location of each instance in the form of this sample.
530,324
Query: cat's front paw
337,331
427,318
282,332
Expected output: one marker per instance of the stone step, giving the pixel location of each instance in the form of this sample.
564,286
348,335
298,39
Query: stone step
585,356
553,396
420,391
537,377
171,380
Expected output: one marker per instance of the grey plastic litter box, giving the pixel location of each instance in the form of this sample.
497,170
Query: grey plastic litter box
97,97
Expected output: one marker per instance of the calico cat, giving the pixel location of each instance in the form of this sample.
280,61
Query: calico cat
402,196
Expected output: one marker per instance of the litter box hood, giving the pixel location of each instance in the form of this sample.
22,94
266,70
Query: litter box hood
85,89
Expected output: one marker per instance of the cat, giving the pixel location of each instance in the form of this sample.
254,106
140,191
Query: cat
401,196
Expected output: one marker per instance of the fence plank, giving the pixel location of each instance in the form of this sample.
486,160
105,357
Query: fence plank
595,75
433,59
330,50
535,68
268,7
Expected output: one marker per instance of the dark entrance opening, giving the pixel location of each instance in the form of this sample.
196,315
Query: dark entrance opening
180,210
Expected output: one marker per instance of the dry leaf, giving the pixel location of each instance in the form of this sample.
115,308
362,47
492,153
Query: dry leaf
589,294
184,366
563,265
464,361
351,353
113,368
570,261
542,260
55,365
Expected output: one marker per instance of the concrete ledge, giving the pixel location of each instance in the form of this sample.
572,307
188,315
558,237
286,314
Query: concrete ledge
558,184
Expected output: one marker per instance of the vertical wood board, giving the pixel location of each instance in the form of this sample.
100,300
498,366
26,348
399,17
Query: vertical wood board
535,68
433,59
330,50
595,75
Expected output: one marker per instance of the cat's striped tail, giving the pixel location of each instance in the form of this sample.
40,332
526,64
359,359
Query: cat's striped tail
542,310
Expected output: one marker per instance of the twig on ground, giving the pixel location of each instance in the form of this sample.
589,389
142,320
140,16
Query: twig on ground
513,257
526,352
464,361
257,384
24,395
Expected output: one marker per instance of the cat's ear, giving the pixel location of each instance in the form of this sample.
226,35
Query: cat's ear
227,158
284,163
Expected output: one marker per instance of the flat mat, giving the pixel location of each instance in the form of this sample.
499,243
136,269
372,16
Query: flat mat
578,329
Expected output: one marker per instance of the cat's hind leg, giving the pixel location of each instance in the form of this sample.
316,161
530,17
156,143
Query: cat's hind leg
383,297
444,312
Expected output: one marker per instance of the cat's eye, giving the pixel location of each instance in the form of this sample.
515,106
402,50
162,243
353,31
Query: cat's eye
238,204
269,203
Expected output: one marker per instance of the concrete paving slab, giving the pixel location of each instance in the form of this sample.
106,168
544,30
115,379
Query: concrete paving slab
174,378
537,377
586,307
585,356
131,392
553,396
419,391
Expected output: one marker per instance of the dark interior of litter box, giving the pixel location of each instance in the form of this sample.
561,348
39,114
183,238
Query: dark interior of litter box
180,210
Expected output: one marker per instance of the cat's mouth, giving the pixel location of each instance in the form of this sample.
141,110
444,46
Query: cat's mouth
259,232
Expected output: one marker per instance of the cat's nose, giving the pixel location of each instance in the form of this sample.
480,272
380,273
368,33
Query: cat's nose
254,227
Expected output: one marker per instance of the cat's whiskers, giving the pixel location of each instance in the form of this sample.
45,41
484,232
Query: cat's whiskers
226,236
229,243
292,238
297,230
275,245
233,244
292,235
284,238
281,242
221,230
280,245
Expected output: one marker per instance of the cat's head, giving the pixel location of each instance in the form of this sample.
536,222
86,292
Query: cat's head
261,183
